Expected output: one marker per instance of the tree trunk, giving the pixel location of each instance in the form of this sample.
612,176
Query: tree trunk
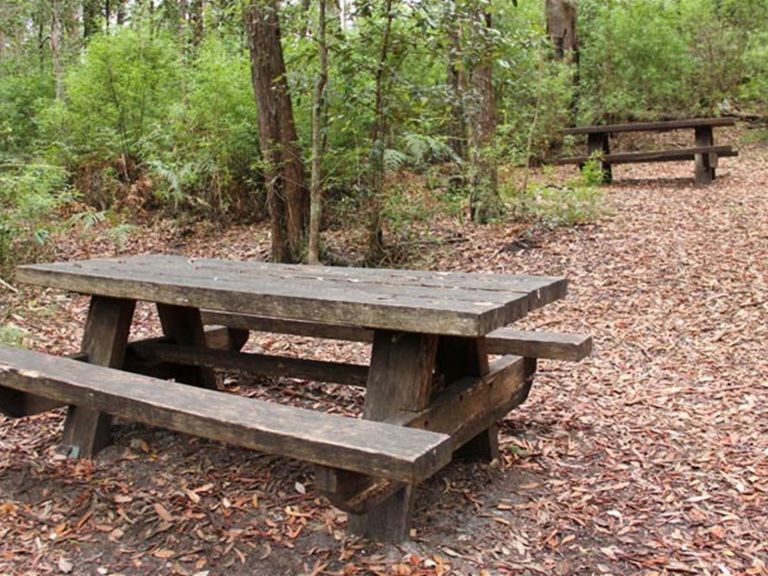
196,21
484,201
561,28
56,37
90,18
457,130
378,131
120,12
316,191
283,170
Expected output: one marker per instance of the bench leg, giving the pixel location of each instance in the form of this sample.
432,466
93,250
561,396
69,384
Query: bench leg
400,379
184,326
600,143
86,431
460,358
704,170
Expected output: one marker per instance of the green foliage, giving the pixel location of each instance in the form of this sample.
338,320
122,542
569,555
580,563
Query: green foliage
209,157
120,97
580,201
24,88
12,335
29,194
755,87
152,119
660,58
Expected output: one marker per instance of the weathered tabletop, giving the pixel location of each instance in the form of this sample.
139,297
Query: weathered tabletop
429,366
450,303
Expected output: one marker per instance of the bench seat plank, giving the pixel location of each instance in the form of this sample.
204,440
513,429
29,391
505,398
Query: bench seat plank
659,126
549,345
656,156
363,446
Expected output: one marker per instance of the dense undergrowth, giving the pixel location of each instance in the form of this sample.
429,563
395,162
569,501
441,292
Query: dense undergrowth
149,123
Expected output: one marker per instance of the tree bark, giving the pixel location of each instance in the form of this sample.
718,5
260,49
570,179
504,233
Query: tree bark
120,12
318,97
196,21
287,197
484,201
561,28
457,129
56,37
378,131
91,13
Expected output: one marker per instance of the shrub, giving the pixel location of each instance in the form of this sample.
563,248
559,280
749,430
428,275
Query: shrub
29,193
579,201
208,157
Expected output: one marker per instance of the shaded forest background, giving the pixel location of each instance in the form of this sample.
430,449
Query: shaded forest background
112,109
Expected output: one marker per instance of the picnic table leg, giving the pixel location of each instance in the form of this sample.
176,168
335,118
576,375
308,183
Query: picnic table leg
86,431
600,142
704,171
400,379
459,358
183,325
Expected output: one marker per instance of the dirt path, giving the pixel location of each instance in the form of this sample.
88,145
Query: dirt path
650,458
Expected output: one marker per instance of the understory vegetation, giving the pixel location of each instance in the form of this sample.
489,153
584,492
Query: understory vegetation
150,108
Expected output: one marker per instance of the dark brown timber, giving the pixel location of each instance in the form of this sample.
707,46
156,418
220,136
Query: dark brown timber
652,126
86,429
373,448
549,345
657,156
454,304
267,365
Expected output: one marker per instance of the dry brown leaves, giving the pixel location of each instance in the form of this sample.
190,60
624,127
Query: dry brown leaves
649,458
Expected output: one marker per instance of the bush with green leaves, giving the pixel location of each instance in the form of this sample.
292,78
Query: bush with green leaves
29,194
24,89
578,201
120,95
207,157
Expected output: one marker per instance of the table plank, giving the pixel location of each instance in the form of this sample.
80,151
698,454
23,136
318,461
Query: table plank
427,302
417,283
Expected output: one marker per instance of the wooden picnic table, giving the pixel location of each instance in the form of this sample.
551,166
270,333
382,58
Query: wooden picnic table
431,387
704,154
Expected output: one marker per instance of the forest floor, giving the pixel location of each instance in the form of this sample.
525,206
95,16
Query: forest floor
650,457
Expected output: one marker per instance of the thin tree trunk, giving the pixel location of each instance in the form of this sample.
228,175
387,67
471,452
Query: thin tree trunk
561,27
196,20
90,18
120,12
56,36
457,129
318,97
484,201
378,131
283,171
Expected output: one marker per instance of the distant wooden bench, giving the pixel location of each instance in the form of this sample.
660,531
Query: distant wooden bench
705,154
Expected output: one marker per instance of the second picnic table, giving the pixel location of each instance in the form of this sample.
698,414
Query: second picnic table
705,154
431,388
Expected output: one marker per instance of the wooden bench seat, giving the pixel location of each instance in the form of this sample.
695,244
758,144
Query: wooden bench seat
546,345
362,446
657,126
704,154
675,155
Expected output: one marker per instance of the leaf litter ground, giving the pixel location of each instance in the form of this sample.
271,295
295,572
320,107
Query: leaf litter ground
651,457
